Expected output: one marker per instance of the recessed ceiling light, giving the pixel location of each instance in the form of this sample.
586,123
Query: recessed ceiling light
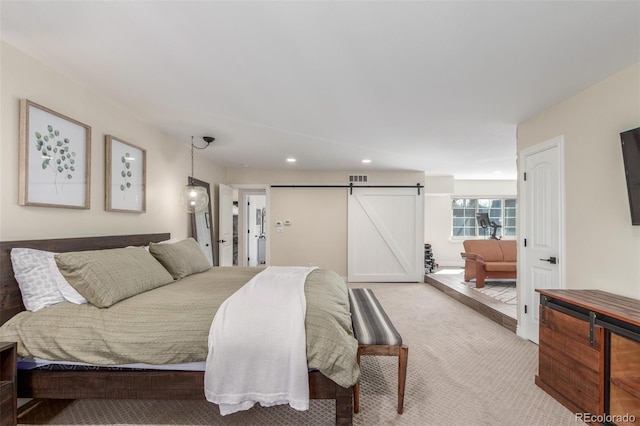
291,160
366,161
497,172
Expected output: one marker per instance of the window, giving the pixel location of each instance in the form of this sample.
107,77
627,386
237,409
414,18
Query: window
502,211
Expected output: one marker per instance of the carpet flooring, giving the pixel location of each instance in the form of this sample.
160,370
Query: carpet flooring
463,369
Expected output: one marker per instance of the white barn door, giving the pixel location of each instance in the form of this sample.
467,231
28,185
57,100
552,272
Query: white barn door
385,235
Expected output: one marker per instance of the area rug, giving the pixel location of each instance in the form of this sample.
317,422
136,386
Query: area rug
501,290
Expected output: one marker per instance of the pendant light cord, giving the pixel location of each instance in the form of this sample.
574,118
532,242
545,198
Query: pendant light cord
192,162
192,158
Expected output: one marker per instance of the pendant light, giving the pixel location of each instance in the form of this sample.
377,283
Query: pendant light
194,198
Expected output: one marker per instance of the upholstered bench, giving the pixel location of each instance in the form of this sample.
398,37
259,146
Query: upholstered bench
376,336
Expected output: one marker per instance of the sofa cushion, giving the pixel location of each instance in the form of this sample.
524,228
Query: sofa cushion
509,250
500,267
488,249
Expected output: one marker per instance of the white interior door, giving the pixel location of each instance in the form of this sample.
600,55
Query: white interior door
385,235
255,227
225,225
541,243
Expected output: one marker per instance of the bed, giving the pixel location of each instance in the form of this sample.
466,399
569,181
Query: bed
127,383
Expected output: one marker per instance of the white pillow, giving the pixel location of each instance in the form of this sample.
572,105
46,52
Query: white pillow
39,285
169,241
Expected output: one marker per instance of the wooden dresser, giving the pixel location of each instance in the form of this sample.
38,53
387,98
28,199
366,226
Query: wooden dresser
589,354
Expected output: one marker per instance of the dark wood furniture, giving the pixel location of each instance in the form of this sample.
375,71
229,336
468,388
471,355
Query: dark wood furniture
8,388
589,353
140,384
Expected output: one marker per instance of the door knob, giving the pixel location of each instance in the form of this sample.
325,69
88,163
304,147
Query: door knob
551,260
221,241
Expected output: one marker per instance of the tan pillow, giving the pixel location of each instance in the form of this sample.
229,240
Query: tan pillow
105,277
181,259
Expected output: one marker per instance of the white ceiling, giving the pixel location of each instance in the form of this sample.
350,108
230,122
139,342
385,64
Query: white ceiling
433,86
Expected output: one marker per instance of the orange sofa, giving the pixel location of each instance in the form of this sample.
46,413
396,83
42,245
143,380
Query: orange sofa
489,259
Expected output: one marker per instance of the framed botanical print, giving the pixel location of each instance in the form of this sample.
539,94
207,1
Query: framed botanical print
126,176
55,159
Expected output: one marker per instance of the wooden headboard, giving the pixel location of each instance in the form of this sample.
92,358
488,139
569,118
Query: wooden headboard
10,296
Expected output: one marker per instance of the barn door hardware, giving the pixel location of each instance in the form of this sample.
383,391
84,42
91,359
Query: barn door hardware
418,186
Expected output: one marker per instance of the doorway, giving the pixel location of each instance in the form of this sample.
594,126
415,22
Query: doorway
541,242
225,225
256,242
243,225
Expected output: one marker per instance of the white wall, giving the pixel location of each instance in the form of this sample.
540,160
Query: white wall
602,247
168,161
438,214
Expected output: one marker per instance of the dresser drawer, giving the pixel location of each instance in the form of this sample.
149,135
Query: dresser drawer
568,363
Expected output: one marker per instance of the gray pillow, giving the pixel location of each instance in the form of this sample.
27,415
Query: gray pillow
105,277
181,259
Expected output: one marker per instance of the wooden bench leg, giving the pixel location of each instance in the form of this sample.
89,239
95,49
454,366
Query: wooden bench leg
356,388
402,352
356,398
403,357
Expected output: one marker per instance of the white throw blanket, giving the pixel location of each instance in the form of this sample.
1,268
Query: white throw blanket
257,344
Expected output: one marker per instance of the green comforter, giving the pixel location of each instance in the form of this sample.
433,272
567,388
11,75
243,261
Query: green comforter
170,325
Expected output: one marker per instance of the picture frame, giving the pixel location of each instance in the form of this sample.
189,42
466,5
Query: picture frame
126,176
54,159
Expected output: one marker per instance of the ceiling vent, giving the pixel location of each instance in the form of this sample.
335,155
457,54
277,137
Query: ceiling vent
358,178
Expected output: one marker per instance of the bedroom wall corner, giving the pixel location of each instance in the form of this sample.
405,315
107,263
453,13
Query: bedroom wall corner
602,247
168,160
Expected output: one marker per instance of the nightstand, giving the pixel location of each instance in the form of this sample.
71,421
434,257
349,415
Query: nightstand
8,384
